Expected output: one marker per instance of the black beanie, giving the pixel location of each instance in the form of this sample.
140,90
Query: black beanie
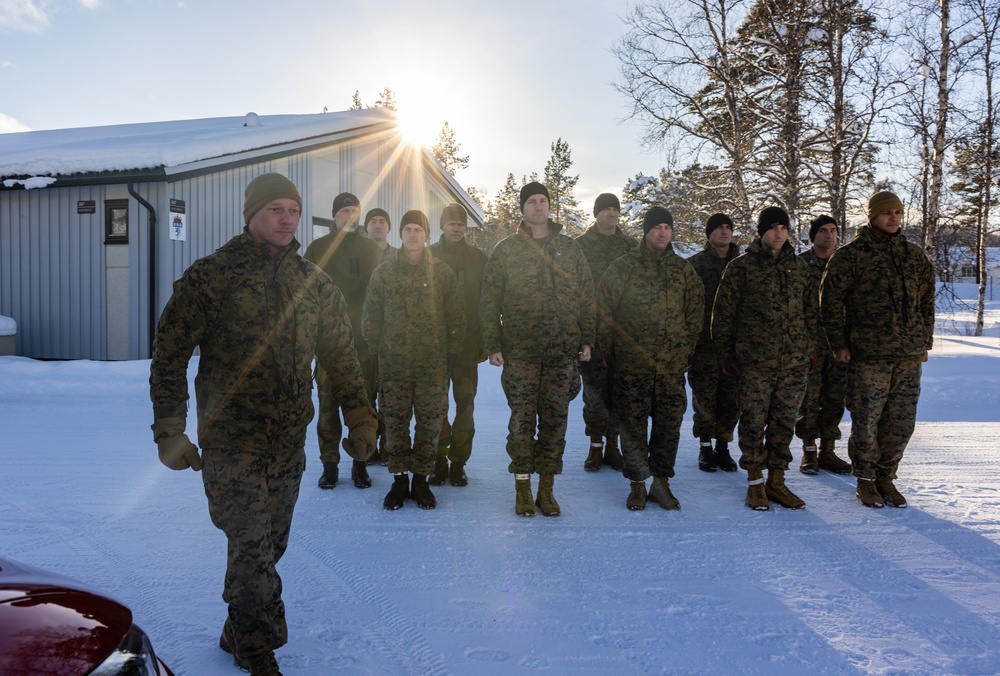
533,188
454,212
715,220
415,216
771,217
654,217
378,212
344,199
605,200
817,223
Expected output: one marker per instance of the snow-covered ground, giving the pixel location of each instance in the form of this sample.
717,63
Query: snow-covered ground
470,588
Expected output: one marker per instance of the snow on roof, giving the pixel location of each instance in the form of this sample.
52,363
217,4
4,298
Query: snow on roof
62,152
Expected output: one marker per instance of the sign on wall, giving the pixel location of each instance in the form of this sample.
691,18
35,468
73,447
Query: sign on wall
178,220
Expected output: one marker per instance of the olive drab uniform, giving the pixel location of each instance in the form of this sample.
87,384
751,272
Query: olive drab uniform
258,324
713,393
650,310
877,299
765,317
413,321
823,404
537,308
349,259
468,263
600,250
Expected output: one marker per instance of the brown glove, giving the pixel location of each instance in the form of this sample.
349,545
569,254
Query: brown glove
175,449
362,425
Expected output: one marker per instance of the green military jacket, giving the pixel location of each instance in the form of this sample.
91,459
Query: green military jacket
413,318
468,263
817,266
600,250
877,298
709,266
258,324
538,297
765,312
349,258
649,311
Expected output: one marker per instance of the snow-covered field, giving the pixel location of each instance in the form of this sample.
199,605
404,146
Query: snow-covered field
470,588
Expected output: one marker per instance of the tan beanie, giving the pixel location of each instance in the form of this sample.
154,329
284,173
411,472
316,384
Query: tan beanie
881,202
265,189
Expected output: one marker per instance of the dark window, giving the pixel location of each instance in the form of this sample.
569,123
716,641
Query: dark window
116,221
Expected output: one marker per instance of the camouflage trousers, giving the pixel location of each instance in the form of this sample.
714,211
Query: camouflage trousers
251,497
598,383
639,397
823,405
769,404
329,429
538,394
882,398
455,441
713,398
403,400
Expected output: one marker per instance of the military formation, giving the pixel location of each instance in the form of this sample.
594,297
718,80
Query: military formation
774,345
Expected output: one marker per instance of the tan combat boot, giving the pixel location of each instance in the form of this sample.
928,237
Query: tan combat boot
545,501
637,496
659,492
810,457
593,461
868,494
889,494
829,461
777,491
613,456
522,498
756,495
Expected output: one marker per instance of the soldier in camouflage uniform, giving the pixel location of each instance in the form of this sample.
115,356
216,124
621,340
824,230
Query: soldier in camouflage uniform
823,404
259,313
415,324
537,319
650,306
467,262
348,258
764,321
713,393
877,300
377,226
602,243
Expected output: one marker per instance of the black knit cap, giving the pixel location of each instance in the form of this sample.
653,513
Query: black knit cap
715,220
454,212
654,217
605,200
378,212
415,216
817,223
344,199
771,217
533,188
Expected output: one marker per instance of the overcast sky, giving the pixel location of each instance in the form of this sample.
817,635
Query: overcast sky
510,77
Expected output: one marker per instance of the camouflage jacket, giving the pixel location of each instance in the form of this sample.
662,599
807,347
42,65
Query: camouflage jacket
877,298
413,318
817,266
600,250
258,324
765,310
468,263
709,266
538,297
349,258
649,311
389,253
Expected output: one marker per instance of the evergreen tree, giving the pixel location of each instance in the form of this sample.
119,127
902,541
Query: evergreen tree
446,151
356,101
386,99
639,194
564,206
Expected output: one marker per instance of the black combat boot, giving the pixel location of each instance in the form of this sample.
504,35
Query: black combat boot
593,461
613,456
723,460
706,456
440,474
810,457
421,494
457,475
330,475
359,474
398,493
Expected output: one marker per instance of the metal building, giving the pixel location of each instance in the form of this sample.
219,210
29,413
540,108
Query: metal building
97,223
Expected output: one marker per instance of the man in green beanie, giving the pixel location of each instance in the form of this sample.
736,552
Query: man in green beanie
259,312
877,307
